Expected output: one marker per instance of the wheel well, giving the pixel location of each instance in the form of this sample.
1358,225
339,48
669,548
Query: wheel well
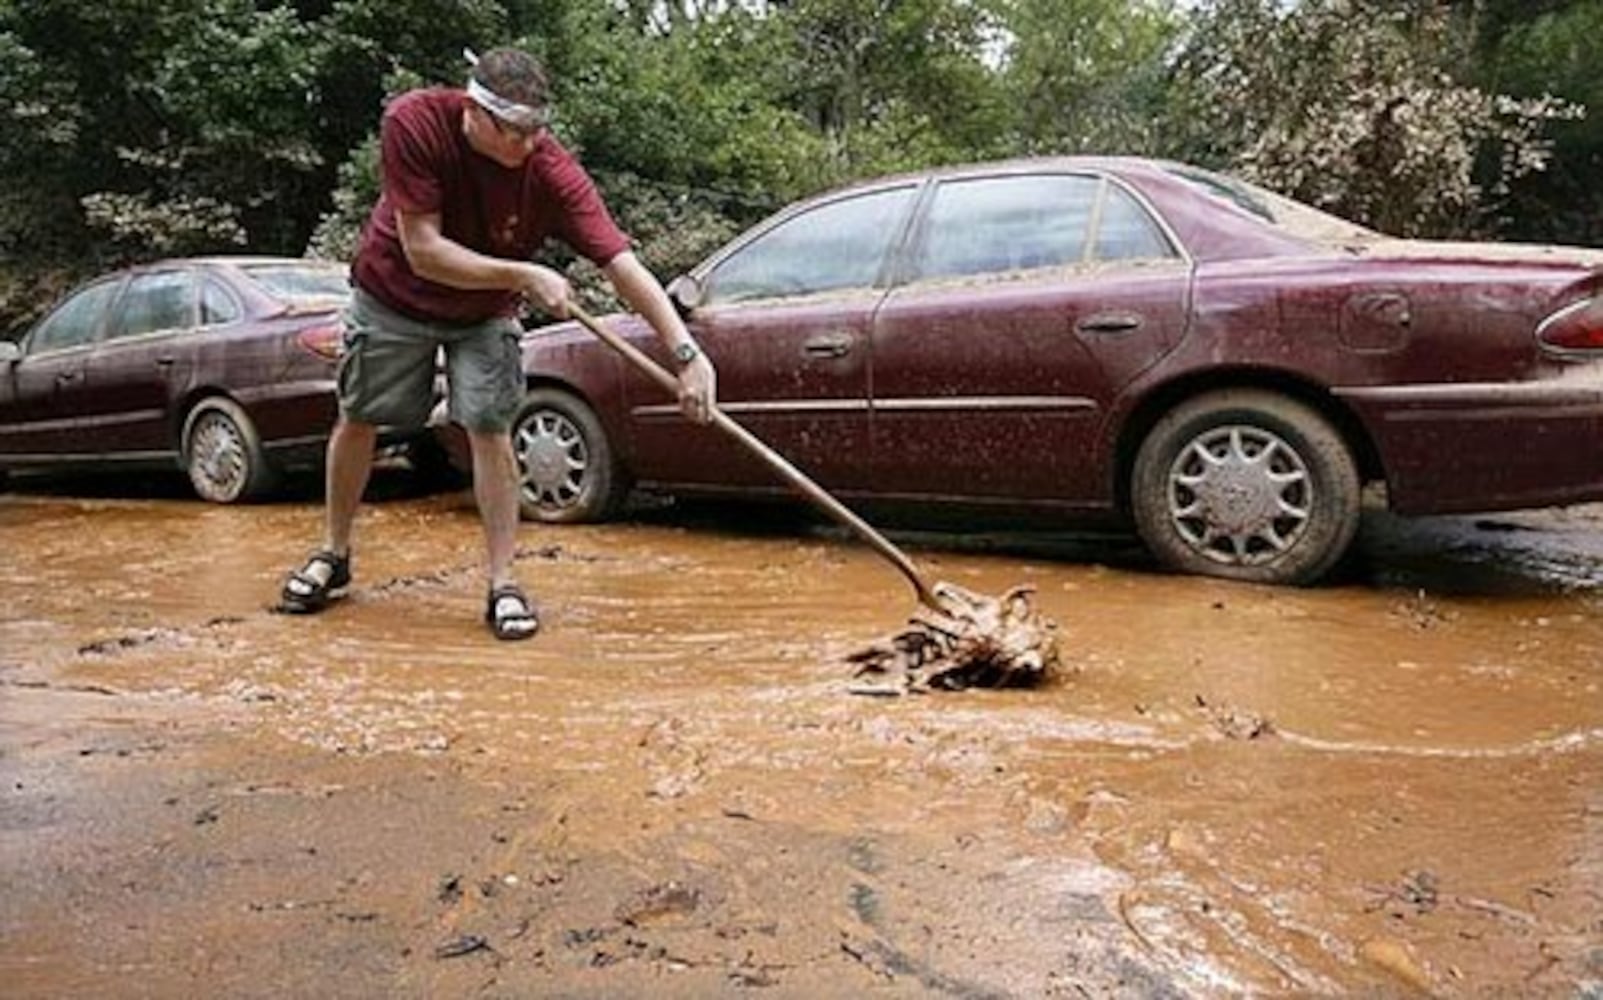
547,382
1166,397
186,406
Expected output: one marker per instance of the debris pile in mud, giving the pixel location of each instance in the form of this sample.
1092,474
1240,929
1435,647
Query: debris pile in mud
970,641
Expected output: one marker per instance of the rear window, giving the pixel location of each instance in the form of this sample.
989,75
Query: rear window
1294,217
301,282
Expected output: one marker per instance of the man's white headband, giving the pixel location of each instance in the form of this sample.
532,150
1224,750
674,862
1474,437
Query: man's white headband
517,115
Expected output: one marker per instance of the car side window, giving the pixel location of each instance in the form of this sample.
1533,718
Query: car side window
991,225
162,300
987,225
1126,232
841,244
217,306
76,321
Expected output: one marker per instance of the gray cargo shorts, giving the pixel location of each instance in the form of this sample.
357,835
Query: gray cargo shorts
386,375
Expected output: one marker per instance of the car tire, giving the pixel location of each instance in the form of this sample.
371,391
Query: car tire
568,472
1248,485
222,454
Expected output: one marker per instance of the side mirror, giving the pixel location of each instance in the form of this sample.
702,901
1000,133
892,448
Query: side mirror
10,352
685,293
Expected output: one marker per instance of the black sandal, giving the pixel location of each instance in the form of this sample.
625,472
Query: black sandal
515,624
305,594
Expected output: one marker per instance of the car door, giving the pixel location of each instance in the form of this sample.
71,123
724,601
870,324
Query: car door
45,390
143,363
1028,301
785,319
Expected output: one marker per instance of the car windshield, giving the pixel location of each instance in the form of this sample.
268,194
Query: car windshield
295,283
1294,217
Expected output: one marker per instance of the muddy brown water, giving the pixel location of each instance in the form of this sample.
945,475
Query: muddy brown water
1386,786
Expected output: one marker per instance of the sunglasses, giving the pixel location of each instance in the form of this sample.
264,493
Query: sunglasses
511,130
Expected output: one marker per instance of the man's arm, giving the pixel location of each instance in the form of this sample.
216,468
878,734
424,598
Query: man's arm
434,256
698,382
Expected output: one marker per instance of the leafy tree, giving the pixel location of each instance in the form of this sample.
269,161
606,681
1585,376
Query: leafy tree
148,130
1085,76
887,84
1536,47
130,130
1349,105
94,149
372,48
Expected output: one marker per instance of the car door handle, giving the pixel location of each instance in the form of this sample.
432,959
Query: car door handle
164,362
62,378
828,345
1109,322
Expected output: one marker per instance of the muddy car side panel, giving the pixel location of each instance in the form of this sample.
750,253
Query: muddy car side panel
288,391
996,388
38,408
793,372
133,381
1471,415
1436,362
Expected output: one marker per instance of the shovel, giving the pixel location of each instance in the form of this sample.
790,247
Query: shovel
957,638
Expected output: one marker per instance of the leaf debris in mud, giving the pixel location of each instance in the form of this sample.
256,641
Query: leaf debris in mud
116,644
970,640
1233,722
450,888
657,903
1416,890
465,944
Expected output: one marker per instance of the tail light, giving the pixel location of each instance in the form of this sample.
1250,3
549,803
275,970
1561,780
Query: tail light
326,340
1575,329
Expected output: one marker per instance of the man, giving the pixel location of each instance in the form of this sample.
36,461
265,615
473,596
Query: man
472,184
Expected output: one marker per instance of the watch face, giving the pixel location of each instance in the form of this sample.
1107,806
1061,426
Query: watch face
685,353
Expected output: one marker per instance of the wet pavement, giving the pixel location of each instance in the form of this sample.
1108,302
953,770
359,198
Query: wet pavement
1390,785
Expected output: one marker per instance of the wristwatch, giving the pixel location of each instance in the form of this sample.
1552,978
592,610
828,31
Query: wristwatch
686,352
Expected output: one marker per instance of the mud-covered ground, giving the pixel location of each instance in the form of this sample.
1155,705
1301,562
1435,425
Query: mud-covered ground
1388,785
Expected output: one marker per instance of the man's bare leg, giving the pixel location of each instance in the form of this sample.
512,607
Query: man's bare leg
350,463
495,488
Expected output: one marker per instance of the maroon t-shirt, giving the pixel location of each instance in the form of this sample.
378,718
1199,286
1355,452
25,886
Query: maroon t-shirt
427,166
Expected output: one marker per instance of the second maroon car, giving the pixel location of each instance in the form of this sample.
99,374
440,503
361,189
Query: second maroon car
222,365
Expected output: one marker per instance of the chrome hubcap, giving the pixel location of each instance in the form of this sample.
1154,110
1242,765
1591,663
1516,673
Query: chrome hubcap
1240,495
217,457
553,458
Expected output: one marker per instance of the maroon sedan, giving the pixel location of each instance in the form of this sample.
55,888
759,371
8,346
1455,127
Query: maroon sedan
224,365
1079,337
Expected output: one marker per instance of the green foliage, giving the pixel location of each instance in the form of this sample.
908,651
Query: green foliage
682,108
887,84
169,128
370,44
1532,49
38,132
1087,76
131,129
1351,105
354,197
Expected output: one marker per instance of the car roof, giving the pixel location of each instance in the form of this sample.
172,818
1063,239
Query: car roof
1208,232
242,260
1112,164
